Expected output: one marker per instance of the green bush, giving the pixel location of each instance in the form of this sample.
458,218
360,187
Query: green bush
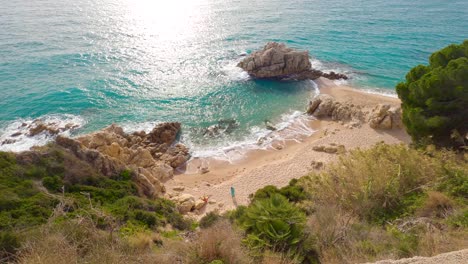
435,98
54,183
209,219
273,223
293,192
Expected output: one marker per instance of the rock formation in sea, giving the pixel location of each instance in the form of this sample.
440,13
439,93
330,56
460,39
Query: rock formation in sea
381,116
151,156
276,60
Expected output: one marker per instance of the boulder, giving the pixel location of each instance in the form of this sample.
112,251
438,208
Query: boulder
178,188
185,202
276,60
165,133
385,116
199,204
325,106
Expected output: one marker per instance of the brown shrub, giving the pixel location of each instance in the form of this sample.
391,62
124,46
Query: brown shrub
372,183
220,242
52,248
436,205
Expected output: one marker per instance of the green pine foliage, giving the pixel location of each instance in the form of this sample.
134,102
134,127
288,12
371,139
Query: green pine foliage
435,98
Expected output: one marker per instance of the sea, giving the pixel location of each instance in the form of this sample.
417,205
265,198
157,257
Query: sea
137,63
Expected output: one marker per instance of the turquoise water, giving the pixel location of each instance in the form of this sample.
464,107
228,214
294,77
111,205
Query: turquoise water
139,62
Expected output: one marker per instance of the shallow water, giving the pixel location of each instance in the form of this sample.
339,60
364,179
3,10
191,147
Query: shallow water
140,62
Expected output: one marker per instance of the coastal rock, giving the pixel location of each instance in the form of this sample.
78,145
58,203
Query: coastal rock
270,126
152,157
199,204
185,202
276,60
325,106
384,116
39,126
178,188
224,126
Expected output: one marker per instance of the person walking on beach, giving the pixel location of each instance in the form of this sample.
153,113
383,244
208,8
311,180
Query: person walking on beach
233,195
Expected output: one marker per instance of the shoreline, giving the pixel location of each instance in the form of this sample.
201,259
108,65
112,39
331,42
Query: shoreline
284,160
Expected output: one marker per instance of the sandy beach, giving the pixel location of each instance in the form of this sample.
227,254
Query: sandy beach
285,160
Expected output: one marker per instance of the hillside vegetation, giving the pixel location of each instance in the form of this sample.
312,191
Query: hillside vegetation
385,202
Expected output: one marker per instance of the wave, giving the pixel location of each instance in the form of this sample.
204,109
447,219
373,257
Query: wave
23,134
291,127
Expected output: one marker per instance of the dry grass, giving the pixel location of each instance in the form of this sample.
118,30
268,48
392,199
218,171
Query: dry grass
436,204
357,199
277,258
220,242
374,183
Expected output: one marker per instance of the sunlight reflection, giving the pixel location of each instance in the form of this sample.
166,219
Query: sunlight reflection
168,20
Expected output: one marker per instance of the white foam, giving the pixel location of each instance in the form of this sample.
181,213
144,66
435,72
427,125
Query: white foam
380,91
65,124
334,67
136,127
291,127
235,73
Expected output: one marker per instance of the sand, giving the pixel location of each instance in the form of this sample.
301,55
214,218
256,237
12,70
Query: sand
454,257
291,159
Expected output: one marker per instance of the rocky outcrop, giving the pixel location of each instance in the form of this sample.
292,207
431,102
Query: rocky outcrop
152,157
325,106
382,116
49,129
385,116
187,203
276,60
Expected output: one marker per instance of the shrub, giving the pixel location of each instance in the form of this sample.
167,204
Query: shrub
52,183
273,223
436,205
9,244
209,219
293,192
435,98
379,184
219,243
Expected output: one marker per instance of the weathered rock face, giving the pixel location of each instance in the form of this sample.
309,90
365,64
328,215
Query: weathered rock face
385,116
325,106
382,116
151,156
276,60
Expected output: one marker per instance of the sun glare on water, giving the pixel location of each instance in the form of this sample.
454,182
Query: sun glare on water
167,19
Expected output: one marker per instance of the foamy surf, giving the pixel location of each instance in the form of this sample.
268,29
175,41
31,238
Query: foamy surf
23,134
292,127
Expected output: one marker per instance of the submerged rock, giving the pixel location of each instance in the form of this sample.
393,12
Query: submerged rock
224,126
276,60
